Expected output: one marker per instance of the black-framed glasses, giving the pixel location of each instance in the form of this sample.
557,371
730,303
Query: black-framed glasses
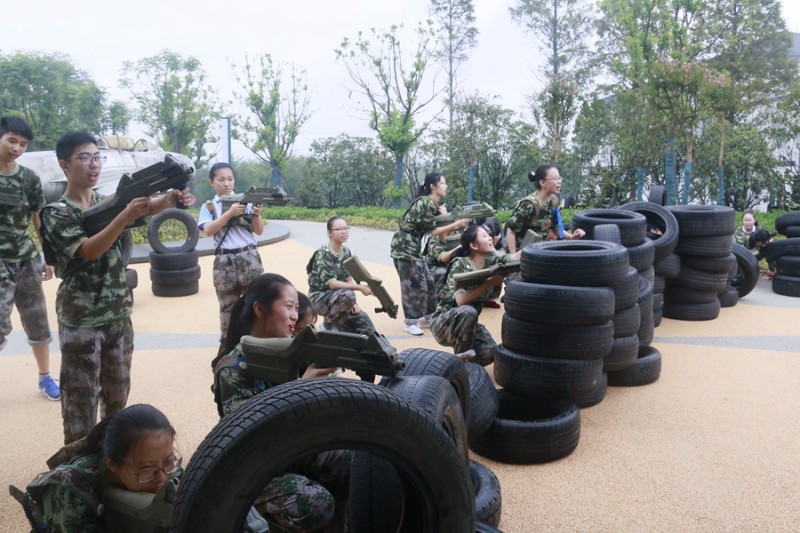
146,475
88,159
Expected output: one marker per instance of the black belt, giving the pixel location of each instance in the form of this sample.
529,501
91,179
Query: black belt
230,251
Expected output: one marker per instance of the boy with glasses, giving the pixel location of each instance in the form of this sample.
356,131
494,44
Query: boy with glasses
93,302
21,267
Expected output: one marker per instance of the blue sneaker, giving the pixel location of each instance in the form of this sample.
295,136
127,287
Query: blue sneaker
49,389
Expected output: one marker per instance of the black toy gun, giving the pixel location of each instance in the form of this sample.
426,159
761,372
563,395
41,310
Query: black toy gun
474,211
158,177
256,196
279,360
470,279
359,274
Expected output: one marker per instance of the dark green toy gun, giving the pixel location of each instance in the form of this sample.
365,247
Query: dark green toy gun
474,211
470,279
279,360
158,177
360,274
256,196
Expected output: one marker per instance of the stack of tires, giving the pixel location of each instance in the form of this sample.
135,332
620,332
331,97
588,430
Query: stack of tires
785,254
174,270
705,243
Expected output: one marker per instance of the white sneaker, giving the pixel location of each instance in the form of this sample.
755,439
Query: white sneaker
425,322
413,329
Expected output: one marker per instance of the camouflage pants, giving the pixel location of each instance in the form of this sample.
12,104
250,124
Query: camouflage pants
459,328
439,273
416,288
336,307
313,496
95,368
24,289
232,274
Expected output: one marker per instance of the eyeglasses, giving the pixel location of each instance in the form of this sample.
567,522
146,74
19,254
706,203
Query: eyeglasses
340,229
87,159
146,475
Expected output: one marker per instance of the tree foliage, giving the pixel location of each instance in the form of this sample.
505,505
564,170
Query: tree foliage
175,103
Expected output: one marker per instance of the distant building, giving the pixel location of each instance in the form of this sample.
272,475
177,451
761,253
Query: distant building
794,52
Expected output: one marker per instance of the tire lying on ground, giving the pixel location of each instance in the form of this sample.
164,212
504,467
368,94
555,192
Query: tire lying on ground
488,498
691,312
297,419
645,370
788,265
171,291
180,216
786,285
174,260
530,431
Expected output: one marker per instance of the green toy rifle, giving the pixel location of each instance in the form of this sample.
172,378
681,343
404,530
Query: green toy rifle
158,177
469,279
359,274
474,211
279,360
256,196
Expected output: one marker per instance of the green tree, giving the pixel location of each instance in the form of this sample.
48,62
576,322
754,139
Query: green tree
117,118
277,108
388,86
51,94
174,102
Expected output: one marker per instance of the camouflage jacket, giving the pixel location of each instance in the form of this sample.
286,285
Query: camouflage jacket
459,265
415,222
325,266
94,293
743,238
20,194
531,213
232,385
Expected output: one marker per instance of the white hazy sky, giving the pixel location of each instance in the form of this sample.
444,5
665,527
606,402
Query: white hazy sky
99,36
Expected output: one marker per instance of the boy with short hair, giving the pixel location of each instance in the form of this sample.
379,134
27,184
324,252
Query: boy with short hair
22,269
93,303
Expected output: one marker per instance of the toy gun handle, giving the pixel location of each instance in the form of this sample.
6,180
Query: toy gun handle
360,274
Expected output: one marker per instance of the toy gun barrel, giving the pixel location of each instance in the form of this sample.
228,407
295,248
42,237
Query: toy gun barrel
474,211
256,196
158,177
278,361
470,279
360,274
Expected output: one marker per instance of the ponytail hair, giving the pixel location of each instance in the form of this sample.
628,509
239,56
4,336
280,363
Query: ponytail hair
114,437
431,179
467,238
539,174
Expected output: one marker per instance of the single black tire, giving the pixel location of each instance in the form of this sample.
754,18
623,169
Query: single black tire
632,226
700,280
658,301
787,220
126,247
546,377
627,321
622,354
595,398
578,263
376,495
711,246
710,264
435,396
792,232
644,371
776,249
642,256
530,432
691,312
558,304
704,220
581,342
728,298
482,399
298,419
657,316
658,195
427,362
786,285
174,260
175,277
788,265
745,278
488,496
170,291
607,233
179,215
645,301
657,217
626,292
669,267
659,283
131,278
681,295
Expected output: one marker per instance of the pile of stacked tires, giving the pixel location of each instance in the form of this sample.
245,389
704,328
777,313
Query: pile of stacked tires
705,245
785,255
174,269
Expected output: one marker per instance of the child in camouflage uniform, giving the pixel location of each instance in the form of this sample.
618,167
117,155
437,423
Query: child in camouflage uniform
331,288
93,303
416,282
456,320
236,261
534,212
21,267
133,449
313,494
439,257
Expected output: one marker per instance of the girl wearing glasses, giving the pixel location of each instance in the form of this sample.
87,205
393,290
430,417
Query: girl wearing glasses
132,449
313,494
535,212
332,289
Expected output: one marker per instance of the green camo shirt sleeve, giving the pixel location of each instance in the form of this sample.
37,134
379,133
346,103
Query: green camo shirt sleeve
416,222
20,195
327,266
